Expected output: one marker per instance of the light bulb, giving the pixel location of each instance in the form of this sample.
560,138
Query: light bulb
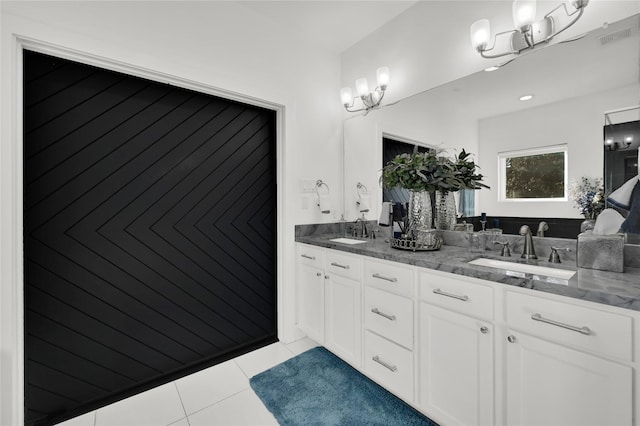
628,139
524,13
362,87
480,34
382,75
346,96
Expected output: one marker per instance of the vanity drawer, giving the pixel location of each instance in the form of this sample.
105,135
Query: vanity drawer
392,277
345,265
310,255
389,364
606,334
451,292
389,315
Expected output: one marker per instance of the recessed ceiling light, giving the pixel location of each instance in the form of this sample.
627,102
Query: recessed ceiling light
526,97
493,68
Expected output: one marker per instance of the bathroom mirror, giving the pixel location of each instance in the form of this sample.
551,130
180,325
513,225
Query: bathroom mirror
574,84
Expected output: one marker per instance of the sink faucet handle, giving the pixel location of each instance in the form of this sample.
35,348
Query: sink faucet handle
505,248
554,257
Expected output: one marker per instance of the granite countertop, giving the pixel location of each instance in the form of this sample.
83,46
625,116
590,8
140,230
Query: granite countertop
610,288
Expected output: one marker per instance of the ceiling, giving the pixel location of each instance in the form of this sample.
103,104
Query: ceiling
334,25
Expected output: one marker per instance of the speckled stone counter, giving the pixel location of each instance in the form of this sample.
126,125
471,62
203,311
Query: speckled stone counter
610,288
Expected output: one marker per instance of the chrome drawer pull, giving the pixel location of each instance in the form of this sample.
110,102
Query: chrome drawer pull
455,296
382,277
306,256
382,314
377,359
582,330
339,265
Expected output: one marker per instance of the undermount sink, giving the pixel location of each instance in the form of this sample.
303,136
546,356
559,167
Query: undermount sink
523,270
347,241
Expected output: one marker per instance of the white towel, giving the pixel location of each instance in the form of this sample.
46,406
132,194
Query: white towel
325,203
364,203
385,213
608,222
621,197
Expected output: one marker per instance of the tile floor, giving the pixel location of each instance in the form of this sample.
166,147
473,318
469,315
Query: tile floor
219,395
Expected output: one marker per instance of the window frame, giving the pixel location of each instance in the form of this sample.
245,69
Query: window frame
502,172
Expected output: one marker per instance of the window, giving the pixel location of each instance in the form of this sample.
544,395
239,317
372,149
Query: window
538,174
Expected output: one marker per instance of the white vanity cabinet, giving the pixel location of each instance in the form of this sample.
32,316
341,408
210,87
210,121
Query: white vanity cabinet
466,351
343,301
566,364
389,326
310,291
329,287
456,335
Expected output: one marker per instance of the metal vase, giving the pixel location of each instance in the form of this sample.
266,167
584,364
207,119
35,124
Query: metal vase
420,213
446,213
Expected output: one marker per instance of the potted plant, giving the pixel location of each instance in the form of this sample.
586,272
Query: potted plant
425,172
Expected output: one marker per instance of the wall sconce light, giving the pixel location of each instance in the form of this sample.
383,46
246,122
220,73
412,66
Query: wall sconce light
528,32
368,99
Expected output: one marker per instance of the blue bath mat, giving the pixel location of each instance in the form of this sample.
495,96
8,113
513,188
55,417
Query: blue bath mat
318,388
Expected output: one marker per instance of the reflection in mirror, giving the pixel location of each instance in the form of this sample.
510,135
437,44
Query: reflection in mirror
574,84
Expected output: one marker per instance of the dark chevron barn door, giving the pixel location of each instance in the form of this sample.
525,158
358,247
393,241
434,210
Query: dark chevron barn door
149,231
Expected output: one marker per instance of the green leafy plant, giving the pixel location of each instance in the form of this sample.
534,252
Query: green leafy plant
426,171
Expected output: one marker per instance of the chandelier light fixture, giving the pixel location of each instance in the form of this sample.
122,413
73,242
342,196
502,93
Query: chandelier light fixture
528,32
369,100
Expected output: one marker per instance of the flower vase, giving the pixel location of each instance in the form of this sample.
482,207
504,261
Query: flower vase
446,213
420,214
587,225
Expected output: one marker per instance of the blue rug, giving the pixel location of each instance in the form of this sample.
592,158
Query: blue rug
318,388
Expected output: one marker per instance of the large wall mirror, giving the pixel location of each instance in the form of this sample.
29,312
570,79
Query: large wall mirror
574,84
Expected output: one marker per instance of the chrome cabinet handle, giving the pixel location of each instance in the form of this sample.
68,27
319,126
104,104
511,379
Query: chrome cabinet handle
511,339
339,265
484,330
382,277
464,298
377,359
382,314
318,274
306,256
582,330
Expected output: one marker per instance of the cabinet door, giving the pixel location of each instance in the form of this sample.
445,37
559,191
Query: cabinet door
343,318
311,301
549,384
456,367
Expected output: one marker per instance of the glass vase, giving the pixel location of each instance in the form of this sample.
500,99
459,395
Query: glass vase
587,225
420,214
446,213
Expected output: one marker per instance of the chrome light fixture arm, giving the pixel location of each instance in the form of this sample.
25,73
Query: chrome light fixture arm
369,101
528,36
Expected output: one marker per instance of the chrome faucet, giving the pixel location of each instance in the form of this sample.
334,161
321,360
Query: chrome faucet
542,226
528,252
364,233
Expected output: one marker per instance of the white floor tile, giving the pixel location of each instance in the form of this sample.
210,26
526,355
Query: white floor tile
264,358
301,345
88,419
158,406
206,387
181,422
243,409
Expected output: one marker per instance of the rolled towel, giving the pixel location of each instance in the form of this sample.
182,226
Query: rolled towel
384,214
608,222
325,203
363,203
621,197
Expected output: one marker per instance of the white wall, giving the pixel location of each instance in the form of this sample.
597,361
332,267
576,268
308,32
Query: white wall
428,44
219,44
576,122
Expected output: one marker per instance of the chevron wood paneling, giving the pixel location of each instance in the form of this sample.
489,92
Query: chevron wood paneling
149,231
